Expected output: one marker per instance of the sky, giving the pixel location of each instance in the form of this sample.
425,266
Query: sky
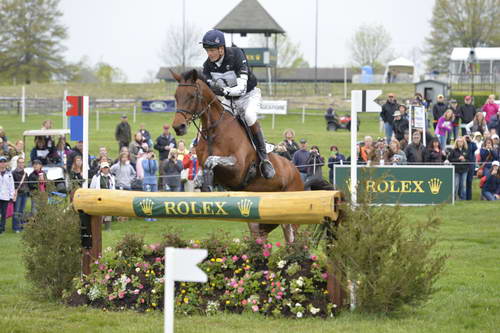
129,34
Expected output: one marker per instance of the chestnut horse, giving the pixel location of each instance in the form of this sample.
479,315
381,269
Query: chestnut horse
224,149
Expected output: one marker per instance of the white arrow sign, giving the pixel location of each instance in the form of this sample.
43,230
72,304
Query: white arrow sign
180,265
364,100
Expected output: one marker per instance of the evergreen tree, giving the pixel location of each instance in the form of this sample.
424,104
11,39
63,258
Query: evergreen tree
31,40
461,23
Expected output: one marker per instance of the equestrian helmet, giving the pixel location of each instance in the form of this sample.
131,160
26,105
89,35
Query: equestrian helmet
213,38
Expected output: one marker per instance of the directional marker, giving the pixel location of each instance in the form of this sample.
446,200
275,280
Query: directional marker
364,100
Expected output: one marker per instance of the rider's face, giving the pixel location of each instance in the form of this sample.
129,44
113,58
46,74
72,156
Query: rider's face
214,54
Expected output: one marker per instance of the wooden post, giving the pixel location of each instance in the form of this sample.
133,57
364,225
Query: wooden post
93,253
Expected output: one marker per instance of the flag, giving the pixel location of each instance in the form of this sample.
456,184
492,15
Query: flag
75,105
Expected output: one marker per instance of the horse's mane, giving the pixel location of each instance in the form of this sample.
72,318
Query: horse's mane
189,75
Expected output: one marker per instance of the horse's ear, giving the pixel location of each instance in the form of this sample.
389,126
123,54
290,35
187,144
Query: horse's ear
176,76
194,75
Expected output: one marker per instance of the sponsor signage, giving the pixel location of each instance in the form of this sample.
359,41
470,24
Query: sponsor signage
273,107
404,185
260,56
158,106
214,207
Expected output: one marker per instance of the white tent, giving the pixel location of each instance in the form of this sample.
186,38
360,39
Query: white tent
400,66
482,53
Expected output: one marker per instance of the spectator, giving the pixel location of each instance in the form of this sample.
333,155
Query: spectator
404,141
496,143
466,112
387,115
491,187
334,159
478,124
181,150
478,140
290,144
61,152
394,155
40,151
4,141
494,122
37,182
379,152
138,184
458,157
94,167
434,154
124,173
456,118
490,107
103,179
315,163
135,147
172,172
439,109
444,127
5,150
399,125
300,159
22,193
471,156
150,167
146,136
7,192
76,174
367,148
123,133
77,151
418,100
18,152
163,144
415,150
190,163
282,151
47,125
487,155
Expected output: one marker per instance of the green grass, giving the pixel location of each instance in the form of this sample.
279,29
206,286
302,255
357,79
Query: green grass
467,300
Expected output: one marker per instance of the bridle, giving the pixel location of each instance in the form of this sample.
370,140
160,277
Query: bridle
195,115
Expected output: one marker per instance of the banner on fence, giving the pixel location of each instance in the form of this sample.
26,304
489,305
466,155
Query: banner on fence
273,107
158,106
404,185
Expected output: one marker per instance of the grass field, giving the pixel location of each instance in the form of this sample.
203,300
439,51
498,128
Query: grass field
468,299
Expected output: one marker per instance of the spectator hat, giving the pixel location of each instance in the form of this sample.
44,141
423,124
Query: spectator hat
124,116
104,165
303,141
37,162
3,159
166,126
453,101
477,134
396,113
440,96
467,98
495,163
494,136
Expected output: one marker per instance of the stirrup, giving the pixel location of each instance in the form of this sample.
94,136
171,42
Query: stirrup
267,169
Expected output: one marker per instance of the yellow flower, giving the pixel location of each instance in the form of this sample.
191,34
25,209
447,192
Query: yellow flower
197,241
186,300
153,304
228,302
183,291
212,260
218,260
264,282
325,292
208,269
183,284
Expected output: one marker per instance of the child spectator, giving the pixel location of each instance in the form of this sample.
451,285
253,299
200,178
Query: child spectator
124,173
190,163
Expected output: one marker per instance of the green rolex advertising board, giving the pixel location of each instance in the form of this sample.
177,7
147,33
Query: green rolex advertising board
213,207
260,57
404,185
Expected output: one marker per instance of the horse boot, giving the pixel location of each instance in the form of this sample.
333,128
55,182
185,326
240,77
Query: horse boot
266,167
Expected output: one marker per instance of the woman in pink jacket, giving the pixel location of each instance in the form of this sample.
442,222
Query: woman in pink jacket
490,107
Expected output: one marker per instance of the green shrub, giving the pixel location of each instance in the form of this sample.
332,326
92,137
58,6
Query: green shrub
391,261
131,245
51,246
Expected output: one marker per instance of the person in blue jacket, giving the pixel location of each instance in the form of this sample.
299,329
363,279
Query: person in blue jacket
491,188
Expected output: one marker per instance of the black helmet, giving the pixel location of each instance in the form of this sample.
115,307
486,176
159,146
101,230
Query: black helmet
213,38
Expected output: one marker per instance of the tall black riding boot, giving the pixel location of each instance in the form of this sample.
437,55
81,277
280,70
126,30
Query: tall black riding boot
266,167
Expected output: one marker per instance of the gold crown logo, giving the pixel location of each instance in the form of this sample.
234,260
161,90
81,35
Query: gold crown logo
348,184
147,206
244,207
435,185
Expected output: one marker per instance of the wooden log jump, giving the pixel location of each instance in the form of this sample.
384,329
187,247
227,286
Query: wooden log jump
306,207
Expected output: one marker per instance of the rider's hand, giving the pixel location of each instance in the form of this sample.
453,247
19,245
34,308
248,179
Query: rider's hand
225,91
218,91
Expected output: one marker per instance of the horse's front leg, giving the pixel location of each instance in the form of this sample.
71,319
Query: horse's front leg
208,170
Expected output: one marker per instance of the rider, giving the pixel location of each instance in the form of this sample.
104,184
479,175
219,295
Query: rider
228,75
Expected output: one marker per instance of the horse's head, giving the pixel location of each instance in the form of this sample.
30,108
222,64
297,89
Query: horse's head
190,100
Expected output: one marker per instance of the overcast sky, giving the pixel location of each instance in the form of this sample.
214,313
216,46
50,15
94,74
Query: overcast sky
129,33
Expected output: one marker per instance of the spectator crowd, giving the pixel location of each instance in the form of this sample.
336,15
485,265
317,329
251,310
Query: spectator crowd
460,135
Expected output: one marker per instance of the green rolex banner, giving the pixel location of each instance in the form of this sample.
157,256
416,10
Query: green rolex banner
213,207
404,185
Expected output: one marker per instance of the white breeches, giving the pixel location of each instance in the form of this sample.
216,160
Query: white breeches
249,104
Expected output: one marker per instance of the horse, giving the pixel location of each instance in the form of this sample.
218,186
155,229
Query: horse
224,149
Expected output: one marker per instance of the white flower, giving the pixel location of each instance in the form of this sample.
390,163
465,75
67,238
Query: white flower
79,291
314,310
236,240
281,263
137,269
108,249
299,314
300,281
153,291
94,293
297,305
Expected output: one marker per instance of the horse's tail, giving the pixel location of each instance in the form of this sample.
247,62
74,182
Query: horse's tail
318,184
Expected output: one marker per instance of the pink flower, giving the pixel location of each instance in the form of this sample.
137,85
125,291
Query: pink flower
157,259
278,244
141,286
110,270
128,280
111,297
102,267
266,253
255,308
278,284
278,297
235,258
136,291
121,294
324,275
254,301
244,302
244,257
154,247
223,259
240,290
259,241
241,282
142,300
146,265
314,258
268,246
107,276
280,293
195,245
273,290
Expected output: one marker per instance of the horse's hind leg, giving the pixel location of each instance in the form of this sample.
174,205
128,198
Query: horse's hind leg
260,230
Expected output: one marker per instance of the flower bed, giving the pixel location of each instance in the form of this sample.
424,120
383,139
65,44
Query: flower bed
243,275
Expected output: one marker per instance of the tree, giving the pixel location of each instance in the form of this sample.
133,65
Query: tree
171,52
461,23
289,54
106,73
31,40
370,45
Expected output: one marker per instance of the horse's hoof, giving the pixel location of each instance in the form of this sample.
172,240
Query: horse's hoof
267,169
